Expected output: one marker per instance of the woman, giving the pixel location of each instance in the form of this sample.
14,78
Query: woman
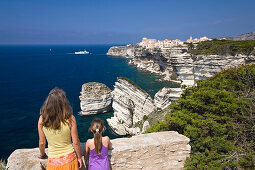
58,124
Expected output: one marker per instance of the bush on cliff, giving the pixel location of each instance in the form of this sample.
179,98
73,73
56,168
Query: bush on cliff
218,116
224,47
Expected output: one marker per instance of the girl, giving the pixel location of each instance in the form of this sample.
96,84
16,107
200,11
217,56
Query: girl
97,148
58,125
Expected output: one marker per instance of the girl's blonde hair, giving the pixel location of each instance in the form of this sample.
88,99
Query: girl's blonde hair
97,127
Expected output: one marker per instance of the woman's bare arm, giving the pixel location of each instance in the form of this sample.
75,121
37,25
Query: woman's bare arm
42,139
86,153
75,137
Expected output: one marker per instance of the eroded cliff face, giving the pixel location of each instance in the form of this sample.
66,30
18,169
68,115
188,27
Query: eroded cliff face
126,51
165,96
95,98
179,66
162,150
130,105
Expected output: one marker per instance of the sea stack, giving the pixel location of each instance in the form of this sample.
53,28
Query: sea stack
95,98
130,105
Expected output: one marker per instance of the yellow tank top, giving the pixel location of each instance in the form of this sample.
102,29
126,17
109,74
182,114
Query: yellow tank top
59,141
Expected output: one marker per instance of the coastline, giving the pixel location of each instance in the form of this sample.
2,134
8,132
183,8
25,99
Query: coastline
175,64
23,90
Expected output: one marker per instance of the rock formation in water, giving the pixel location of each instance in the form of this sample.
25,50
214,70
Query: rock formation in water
130,105
176,64
129,102
162,150
95,98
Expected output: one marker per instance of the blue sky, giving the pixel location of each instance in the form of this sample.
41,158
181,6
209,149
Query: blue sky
121,21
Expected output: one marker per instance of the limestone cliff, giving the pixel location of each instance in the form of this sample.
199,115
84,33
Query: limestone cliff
95,98
130,105
127,51
164,96
177,65
162,150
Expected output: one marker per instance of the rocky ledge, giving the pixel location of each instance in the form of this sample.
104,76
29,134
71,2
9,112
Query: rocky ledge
95,98
162,150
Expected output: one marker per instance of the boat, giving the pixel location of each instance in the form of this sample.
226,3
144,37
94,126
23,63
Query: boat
81,52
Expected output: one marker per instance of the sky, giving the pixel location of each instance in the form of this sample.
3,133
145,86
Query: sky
121,21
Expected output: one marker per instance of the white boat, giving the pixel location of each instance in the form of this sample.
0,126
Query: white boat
81,52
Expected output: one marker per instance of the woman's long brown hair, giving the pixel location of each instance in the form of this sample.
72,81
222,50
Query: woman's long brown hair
56,109
97,124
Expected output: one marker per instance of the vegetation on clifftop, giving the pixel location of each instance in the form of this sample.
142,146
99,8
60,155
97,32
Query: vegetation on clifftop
224,47
218,116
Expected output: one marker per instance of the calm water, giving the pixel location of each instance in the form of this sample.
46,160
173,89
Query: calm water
28,73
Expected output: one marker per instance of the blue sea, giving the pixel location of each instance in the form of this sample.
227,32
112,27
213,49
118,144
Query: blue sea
29,72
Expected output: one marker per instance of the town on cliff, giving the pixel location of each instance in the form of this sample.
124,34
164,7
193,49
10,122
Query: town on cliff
174,61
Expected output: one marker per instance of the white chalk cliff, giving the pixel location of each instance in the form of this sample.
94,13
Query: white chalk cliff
163,150
130,105
164,96
95,98
129,102
176,64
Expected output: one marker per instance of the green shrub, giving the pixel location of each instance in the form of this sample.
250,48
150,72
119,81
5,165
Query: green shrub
224,47
218,117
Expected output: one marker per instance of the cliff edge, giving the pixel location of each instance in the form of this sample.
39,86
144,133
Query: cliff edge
162,150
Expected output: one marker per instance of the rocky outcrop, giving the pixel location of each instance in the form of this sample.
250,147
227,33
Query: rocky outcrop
126,51
130,105
177,65
162,150
129,102
164,96
175,93
146,125
22,159
95,98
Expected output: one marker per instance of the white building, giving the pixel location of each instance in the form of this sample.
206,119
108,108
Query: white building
148,43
